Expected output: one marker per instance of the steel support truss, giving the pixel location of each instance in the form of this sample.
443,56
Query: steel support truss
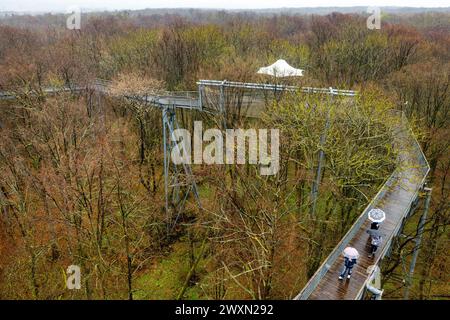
179,181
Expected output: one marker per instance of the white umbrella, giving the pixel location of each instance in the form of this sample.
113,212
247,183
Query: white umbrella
281,69
377,215
351,253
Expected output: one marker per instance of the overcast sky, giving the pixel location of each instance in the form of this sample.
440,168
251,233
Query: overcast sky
62,5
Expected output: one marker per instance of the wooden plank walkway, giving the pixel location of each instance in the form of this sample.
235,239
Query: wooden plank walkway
396,203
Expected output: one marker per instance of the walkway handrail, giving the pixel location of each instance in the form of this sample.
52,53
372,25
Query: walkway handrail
275,87
8,95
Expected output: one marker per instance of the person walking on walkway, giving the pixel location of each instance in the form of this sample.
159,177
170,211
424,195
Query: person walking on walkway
374,244
351,256
375,241
376,216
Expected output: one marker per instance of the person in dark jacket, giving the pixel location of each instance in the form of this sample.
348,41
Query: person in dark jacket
374,225
348,266
374,244
375,241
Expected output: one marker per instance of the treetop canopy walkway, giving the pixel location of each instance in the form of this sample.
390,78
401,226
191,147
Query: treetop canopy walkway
397,197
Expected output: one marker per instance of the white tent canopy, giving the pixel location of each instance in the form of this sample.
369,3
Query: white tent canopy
281,69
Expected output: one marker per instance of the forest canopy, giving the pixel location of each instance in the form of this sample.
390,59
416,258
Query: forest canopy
82,173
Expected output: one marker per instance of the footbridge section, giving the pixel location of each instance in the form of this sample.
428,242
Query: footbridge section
397,198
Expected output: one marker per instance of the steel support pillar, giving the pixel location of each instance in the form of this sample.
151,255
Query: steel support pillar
417,241
222,105
201,89
316,183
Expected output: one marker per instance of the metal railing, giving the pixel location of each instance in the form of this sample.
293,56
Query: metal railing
6,95
274,87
